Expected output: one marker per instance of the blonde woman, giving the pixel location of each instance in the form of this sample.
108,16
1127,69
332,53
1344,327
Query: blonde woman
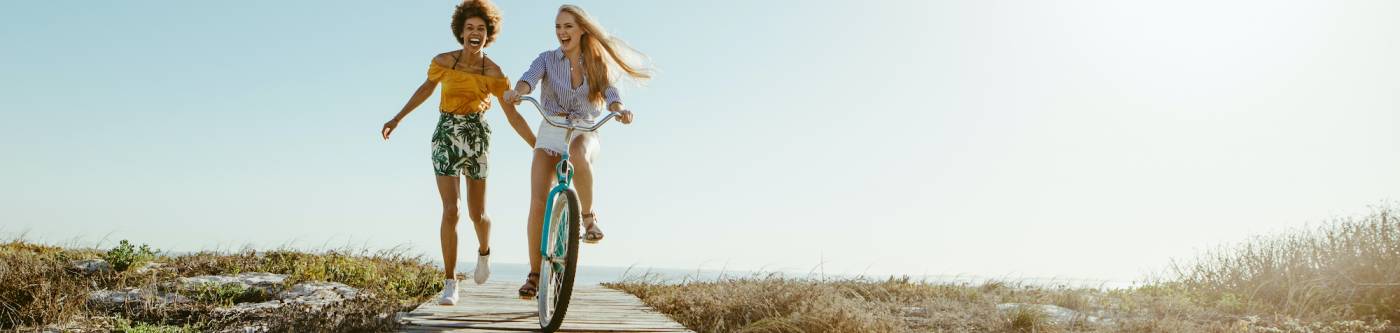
461,141
575,84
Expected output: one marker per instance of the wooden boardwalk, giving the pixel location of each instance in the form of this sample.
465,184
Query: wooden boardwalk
494,307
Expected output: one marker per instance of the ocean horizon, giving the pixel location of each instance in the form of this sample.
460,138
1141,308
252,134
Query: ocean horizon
589,274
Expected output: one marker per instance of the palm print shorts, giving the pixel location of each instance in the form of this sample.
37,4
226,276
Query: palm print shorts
460,145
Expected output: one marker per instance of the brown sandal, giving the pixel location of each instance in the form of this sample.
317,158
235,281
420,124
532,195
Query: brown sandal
592,234
531,287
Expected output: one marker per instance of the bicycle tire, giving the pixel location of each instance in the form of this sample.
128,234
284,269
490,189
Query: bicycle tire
557,286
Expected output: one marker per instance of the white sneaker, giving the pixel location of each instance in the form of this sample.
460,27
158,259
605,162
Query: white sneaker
449,292
483,268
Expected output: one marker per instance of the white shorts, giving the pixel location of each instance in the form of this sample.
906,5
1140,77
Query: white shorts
551,139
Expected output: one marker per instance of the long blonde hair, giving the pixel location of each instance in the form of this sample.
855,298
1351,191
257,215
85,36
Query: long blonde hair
595,43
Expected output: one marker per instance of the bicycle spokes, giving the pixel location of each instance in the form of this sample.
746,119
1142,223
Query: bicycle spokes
559,257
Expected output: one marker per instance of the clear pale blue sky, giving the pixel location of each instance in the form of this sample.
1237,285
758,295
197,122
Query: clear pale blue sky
1093,139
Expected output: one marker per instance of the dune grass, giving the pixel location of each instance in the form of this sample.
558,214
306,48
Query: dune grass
1349,268
39,287
1341,277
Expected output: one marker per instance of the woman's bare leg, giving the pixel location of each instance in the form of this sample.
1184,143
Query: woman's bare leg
449,191
541,179
476,208
579,155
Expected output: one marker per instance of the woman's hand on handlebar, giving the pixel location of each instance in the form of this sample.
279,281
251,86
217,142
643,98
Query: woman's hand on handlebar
625,116
512,97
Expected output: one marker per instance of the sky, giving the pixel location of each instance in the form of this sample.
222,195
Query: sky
1076,139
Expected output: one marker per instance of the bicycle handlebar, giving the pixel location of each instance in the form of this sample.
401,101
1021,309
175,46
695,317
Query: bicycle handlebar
565,124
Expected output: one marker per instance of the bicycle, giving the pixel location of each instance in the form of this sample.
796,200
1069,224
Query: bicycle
559,255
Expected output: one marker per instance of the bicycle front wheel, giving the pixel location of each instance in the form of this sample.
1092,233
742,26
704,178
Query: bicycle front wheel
560,259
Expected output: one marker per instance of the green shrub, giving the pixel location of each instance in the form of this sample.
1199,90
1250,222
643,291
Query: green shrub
125,255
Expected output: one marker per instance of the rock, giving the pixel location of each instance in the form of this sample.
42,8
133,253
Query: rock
309,293
91,266
254,328
242,308
318,293
1057,315
111,298
315,297
313,294
267,282
149,267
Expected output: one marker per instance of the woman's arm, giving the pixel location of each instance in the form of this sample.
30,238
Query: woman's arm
527,81
517,122
424,90
614,102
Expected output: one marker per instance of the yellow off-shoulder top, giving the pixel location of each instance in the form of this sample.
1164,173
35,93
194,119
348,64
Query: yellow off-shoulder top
463,92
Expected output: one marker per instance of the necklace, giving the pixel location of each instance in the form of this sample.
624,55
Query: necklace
462,53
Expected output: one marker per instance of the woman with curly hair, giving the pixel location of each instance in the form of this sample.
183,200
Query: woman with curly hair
460,143
577,84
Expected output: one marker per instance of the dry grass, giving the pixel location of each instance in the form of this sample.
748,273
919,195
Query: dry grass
775,304
1344,277
39,287
35,286
771,303
1348,269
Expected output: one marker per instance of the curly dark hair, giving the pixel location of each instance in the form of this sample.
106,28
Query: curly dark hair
483,9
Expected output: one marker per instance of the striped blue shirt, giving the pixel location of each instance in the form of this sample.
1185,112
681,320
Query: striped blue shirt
558,96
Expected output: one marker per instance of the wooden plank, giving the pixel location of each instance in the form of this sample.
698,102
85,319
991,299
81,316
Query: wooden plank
531,324
568,326
494,307
630,320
